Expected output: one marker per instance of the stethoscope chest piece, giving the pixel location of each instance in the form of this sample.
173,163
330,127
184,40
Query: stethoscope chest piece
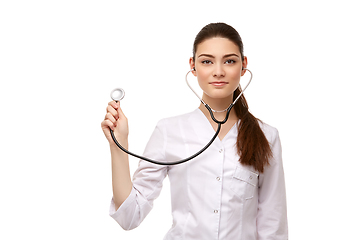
117,94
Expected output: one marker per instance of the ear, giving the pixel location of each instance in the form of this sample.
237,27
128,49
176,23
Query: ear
192,66
244,65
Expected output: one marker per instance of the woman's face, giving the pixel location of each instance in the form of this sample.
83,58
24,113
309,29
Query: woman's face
218,67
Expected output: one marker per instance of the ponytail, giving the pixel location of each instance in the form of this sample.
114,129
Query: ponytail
252,146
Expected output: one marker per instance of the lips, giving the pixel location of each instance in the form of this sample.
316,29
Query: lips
218,83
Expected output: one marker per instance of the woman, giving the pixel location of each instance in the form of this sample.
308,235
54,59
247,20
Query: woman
235,189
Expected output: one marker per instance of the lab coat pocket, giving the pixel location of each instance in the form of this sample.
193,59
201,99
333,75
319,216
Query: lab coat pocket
244,182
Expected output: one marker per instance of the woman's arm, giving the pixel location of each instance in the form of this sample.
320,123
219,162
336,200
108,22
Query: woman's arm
146,184
121,180
272,214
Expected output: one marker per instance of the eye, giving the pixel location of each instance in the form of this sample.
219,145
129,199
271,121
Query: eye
230,61
206,62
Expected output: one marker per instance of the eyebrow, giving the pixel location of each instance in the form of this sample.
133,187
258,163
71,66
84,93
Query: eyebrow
225,56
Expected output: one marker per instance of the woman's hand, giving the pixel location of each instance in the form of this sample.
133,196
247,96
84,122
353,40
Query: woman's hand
116,121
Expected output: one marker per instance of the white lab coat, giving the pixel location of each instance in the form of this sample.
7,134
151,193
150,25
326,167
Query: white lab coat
213,196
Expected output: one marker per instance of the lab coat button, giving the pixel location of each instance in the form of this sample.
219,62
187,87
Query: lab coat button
220,151
218,178
215,211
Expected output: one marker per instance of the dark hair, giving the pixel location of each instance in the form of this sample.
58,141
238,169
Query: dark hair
252,145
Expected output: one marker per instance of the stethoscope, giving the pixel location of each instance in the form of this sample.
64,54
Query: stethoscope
118,94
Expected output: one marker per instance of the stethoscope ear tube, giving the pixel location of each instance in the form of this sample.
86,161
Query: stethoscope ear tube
231,105
243,90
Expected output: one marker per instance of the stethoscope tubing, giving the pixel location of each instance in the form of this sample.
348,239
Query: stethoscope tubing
186,159
167,163
205,147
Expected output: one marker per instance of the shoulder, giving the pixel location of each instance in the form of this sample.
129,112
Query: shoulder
270,132
272,135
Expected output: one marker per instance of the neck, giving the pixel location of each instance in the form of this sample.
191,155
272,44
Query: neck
218,105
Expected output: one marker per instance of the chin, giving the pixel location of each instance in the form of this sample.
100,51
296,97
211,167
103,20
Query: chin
219,95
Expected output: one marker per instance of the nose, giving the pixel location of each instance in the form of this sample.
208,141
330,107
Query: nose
218,71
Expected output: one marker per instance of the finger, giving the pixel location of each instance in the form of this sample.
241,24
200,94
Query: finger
114,104
121,113
107,124
112,111
110,117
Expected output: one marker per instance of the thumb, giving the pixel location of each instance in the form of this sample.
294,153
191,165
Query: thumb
120,112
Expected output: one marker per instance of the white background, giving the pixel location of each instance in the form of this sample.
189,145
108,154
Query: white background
59,60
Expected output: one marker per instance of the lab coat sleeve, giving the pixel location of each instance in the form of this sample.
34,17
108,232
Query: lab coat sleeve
272,212
147,183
